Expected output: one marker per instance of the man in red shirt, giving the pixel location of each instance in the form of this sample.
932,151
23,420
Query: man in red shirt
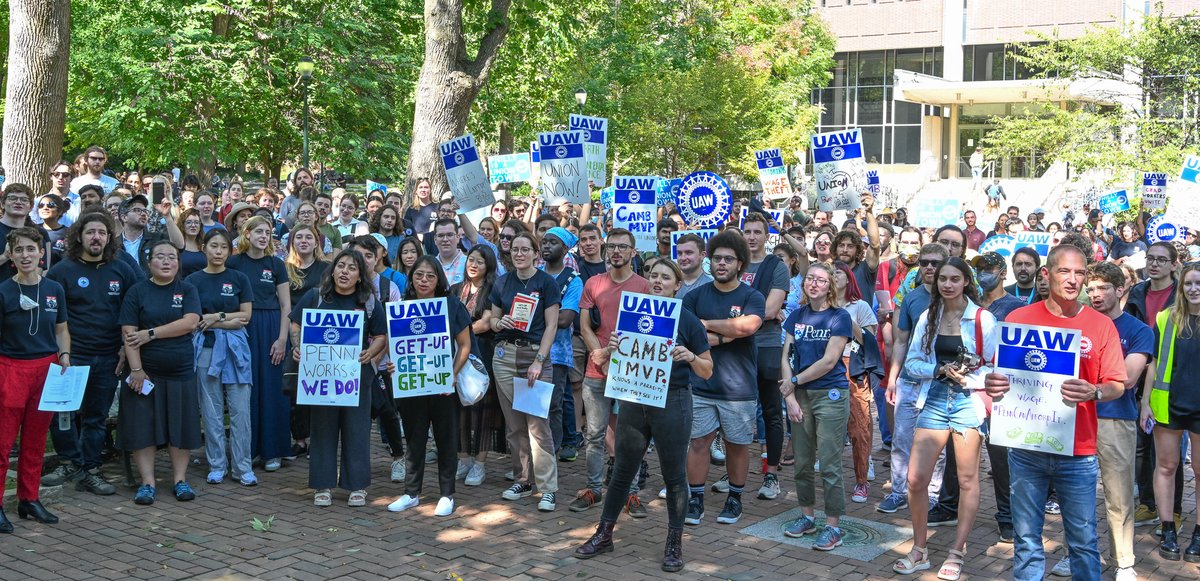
1101,378
975,236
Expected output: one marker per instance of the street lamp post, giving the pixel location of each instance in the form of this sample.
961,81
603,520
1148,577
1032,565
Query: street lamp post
305,68
580,99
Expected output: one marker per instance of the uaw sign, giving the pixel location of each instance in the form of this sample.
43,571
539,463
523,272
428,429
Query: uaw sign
667,191
535,165
419,342
704,200
1033,415
465,175
1154,191
839,169
1005,244
509,169
563,172
773,174
1160,230
329,371
640,370
873,184
704,235
634,209
595,150
1117,201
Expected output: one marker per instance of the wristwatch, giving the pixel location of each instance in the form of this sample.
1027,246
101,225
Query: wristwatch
150,333
540,358
222,315
1099,394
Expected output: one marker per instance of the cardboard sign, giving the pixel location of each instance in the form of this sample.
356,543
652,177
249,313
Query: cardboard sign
419,343
563,173
772,173
1154,191
704,235
1117,201
509,169
1184,209
934,212
465,175
640,370
634,209
595,150
330,343
1033,416
1160,230
704,200
839,169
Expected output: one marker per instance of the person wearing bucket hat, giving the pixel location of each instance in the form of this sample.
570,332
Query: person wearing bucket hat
237,215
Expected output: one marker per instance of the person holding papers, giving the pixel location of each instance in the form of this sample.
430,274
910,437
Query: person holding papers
418,413
160,407
33,334
954,325
669,426
525,317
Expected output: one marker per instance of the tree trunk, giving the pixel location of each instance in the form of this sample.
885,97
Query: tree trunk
39,44
448,85
507,139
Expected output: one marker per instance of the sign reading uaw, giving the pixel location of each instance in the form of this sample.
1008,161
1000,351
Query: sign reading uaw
704,200
839,169
640,370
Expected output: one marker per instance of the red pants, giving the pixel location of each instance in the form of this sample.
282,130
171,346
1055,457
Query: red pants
21,382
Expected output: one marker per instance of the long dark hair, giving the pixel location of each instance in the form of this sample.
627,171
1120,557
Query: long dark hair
485,288
75,236
933,314
441,289
364,288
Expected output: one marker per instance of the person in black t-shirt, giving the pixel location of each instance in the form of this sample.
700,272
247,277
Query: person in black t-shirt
306,265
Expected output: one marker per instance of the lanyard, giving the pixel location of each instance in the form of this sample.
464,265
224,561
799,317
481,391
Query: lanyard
1028,299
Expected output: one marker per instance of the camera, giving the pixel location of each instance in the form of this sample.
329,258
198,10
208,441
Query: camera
967,361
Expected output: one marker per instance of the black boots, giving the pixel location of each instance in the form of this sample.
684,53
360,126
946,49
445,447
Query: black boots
673,553
1192,554
1168,548
601,542
5,525
34,509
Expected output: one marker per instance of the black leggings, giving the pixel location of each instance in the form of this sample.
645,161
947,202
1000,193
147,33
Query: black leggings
769,360
671,428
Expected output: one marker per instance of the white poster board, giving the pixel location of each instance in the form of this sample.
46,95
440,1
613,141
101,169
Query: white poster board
640,370
563,175
1154,191
419,344
839,169
772,173
465,175
595,150
330,343
634,209
1032,415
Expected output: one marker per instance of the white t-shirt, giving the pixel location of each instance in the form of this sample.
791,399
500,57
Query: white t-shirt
107,183
863,316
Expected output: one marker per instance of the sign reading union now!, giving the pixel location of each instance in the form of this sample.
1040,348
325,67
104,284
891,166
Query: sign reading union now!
1033,415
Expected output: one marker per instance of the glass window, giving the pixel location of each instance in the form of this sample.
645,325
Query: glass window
839,70
913,60
872,68
834,101
872,138
907,146
870,105
887,145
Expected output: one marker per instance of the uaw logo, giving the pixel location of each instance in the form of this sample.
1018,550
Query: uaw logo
177,300
459,158
1035,360
560,151
226,289
769,162
704,200
837,153
634,197
1038,349
51,302
331,336
417,326
646,324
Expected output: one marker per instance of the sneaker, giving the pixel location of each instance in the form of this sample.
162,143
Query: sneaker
273,464
695,511
568,453
404,503
800,527
145,495
829,539
183,491
445,507
1006,533
547,504
870,470
770,487
1126,574
431,456
1052,507
585,500
721,485
1142,516
475,474
1178,525
399,472
517,492
892,503
662,493
94,483
861,492
1062,568
215,477
298,450
65,472
464,466
248,479
718,451
732,511
509,476
634,507
940,516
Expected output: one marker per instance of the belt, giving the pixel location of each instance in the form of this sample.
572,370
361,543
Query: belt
519,342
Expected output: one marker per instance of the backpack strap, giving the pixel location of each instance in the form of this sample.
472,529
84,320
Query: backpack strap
979,332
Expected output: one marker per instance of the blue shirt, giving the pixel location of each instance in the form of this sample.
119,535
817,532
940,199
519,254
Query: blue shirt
561,351
810,332
916,303
1136,337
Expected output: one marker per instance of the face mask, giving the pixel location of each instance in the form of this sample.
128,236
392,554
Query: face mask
988,281
908,252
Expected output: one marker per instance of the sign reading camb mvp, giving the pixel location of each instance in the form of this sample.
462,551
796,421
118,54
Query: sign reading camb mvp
634,209
839,169
595,150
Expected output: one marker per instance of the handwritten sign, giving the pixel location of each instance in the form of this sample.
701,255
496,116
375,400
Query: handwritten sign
772,173
330,343
640,370
704,200
873,184
419,343
509,169
934,212
1117,201
1154,191
634,209
667,191
465,175
563,172
1033,416
839,169
595,149
704,235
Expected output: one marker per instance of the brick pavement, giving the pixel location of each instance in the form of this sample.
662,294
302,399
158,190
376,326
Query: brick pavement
487,538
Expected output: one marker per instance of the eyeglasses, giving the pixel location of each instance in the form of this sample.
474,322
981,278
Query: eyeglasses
165,257
723,258
306,213
617,247
522,250
48,205
424,276
95,158
17,200
507,236
192,223
928,263
61,174
446,235
138,211
817,281
1158,260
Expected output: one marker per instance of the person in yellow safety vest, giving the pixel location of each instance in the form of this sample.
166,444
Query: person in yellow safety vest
1171,413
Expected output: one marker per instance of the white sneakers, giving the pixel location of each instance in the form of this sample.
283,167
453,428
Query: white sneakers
404,503
445,507
475,474
1126,574
464,466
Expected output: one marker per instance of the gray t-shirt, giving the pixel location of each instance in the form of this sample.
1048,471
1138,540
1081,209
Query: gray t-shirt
704,279
769,334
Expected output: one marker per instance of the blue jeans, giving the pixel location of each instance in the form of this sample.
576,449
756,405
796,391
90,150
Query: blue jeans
1074,479
83,441
880,393
902,440
570,432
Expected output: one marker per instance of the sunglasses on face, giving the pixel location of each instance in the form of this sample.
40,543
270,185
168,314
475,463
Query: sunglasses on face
47,205
929,263
61,174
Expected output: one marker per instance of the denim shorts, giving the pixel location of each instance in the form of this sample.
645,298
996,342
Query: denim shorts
947,409
736,419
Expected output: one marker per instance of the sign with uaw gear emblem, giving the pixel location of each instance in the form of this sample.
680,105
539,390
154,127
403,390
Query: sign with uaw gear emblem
640,369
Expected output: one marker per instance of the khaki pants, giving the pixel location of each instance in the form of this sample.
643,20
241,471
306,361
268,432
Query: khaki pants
1116,447
529,437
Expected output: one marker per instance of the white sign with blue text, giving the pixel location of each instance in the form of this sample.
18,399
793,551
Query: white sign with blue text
704,235
419,344
934,212
873,184
640,370
1006,244
595,150
1033,415
1154,191
509,169
1117,201
1184,210
563,172
704,200
773,174
634,208
839,169
329,372
535,165
465,175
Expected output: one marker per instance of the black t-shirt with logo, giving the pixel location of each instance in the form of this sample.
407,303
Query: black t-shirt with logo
735,362
223,292
149,305
29,333
95,292
265,275
541,285
690,334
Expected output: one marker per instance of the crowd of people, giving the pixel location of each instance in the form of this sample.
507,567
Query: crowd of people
796,339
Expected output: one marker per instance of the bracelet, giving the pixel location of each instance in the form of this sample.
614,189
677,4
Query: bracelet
720,339
61,353
135,370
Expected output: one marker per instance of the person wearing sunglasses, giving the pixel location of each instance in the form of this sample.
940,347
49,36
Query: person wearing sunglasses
51,209
60,185
93,171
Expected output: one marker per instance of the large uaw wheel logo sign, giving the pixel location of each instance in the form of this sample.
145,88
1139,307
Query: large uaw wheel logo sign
704,200
1160,230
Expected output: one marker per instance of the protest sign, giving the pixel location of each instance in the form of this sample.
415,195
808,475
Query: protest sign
535,165
772,172
64,392
1032,415
509,169
873,184
934,212
640,370
1154,191
704,235
330,343
704,200
465,175
606,197
667,191
1184,209
1160,230
1006,244
419,343
1191,169
1117,201
595,150
839,169
773,236
634,209
376,187
563,175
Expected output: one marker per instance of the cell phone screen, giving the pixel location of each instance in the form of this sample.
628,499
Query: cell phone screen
158,190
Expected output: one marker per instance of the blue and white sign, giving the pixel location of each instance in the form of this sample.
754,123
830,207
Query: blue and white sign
934,212
419,345
1033,415
704,200
329,372
873,184
1117,201
1005,244
606,198
704,235
376,187
634,209
1154,191
535,165
1184,209
595,151
773,174
667,191
773,236
1160,230
1191,169
839,169
465,175
640,369
509,169
563,171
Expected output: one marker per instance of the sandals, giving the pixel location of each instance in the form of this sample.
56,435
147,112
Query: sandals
323,498
953,564
358,498
906,566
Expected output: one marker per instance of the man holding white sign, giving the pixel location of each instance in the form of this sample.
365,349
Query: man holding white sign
1101,378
